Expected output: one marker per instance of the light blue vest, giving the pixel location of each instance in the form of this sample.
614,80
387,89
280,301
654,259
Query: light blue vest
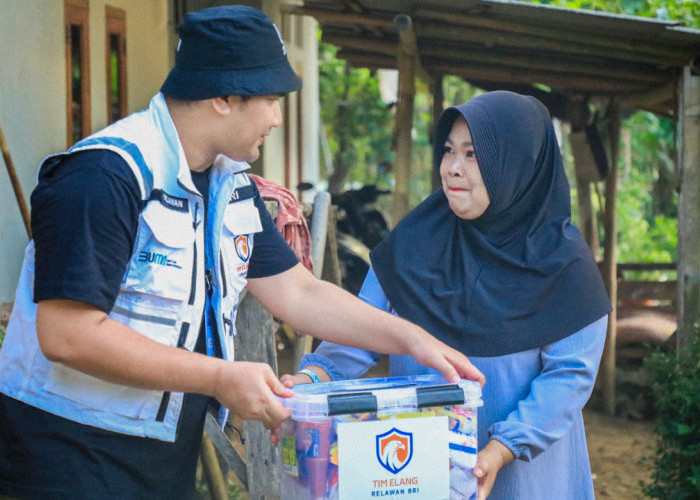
162,294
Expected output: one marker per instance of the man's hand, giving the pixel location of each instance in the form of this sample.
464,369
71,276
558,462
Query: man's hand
488,462
429,351
249,389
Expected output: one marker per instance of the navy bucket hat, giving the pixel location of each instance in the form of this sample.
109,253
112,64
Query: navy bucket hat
230,50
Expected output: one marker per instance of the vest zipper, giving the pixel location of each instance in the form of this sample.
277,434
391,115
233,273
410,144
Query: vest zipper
224,289
193,288
165,400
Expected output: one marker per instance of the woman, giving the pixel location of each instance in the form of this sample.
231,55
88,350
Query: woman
492,265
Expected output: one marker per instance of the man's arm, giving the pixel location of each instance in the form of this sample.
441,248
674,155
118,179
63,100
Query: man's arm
328,312
82,337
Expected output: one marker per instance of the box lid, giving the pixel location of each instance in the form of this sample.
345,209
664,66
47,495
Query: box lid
384,395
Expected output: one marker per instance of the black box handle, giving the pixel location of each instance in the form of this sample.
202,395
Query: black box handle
355,402
439,395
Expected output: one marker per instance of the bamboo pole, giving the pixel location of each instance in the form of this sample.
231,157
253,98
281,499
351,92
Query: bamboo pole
212,470
609,271
16,186
688,206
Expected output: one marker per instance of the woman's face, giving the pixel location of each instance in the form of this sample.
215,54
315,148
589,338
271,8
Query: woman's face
460,174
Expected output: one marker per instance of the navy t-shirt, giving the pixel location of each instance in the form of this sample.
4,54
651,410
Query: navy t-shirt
84,222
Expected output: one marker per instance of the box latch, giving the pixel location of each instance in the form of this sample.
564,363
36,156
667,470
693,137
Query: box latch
439,395
354,402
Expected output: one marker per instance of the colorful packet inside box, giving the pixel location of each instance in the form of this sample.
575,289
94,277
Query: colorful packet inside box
396,437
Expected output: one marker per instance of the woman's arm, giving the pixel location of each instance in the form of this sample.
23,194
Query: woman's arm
557,394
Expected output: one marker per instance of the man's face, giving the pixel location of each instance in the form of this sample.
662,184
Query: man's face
247,125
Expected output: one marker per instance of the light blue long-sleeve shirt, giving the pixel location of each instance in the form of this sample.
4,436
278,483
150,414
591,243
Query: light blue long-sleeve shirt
532,404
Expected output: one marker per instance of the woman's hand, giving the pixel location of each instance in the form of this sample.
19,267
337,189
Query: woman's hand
290,381
488,462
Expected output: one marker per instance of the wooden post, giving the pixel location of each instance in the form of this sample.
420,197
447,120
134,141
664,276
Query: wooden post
256,342
583,168
609,271
406,64
688,205
331,262
438,97
319,235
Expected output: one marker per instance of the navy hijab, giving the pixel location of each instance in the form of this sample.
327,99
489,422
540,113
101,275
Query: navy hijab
519,276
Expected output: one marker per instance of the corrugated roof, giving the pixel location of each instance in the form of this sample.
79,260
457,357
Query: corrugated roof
508,44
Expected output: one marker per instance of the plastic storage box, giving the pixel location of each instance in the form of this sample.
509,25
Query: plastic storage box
397,437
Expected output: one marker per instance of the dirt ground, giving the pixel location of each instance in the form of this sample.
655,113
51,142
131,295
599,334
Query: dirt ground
616,447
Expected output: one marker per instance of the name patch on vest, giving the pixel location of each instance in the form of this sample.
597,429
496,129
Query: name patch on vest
242,193
172,202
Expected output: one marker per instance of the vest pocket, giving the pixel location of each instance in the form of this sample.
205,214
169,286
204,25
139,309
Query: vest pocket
164,254
97,394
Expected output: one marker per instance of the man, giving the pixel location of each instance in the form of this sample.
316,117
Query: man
145,234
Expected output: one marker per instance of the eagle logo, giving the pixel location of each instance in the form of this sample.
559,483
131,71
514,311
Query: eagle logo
242,248
394,449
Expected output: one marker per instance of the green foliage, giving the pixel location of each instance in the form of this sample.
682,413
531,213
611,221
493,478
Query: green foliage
2,335
357,123
647,200
235,492
685,11
677,403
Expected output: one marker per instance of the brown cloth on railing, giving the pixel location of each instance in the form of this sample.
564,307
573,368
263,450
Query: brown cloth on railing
290,218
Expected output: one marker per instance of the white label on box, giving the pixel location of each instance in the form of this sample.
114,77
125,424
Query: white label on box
397,458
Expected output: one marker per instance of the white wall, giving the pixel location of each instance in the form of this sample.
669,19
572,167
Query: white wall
303,58
33,94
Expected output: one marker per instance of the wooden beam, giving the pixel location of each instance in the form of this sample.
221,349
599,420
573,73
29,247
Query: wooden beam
548,34
651,98
689,205
227,452
449,53
533,62
578,83
609,266
490,39
367,45
340,17
508,76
